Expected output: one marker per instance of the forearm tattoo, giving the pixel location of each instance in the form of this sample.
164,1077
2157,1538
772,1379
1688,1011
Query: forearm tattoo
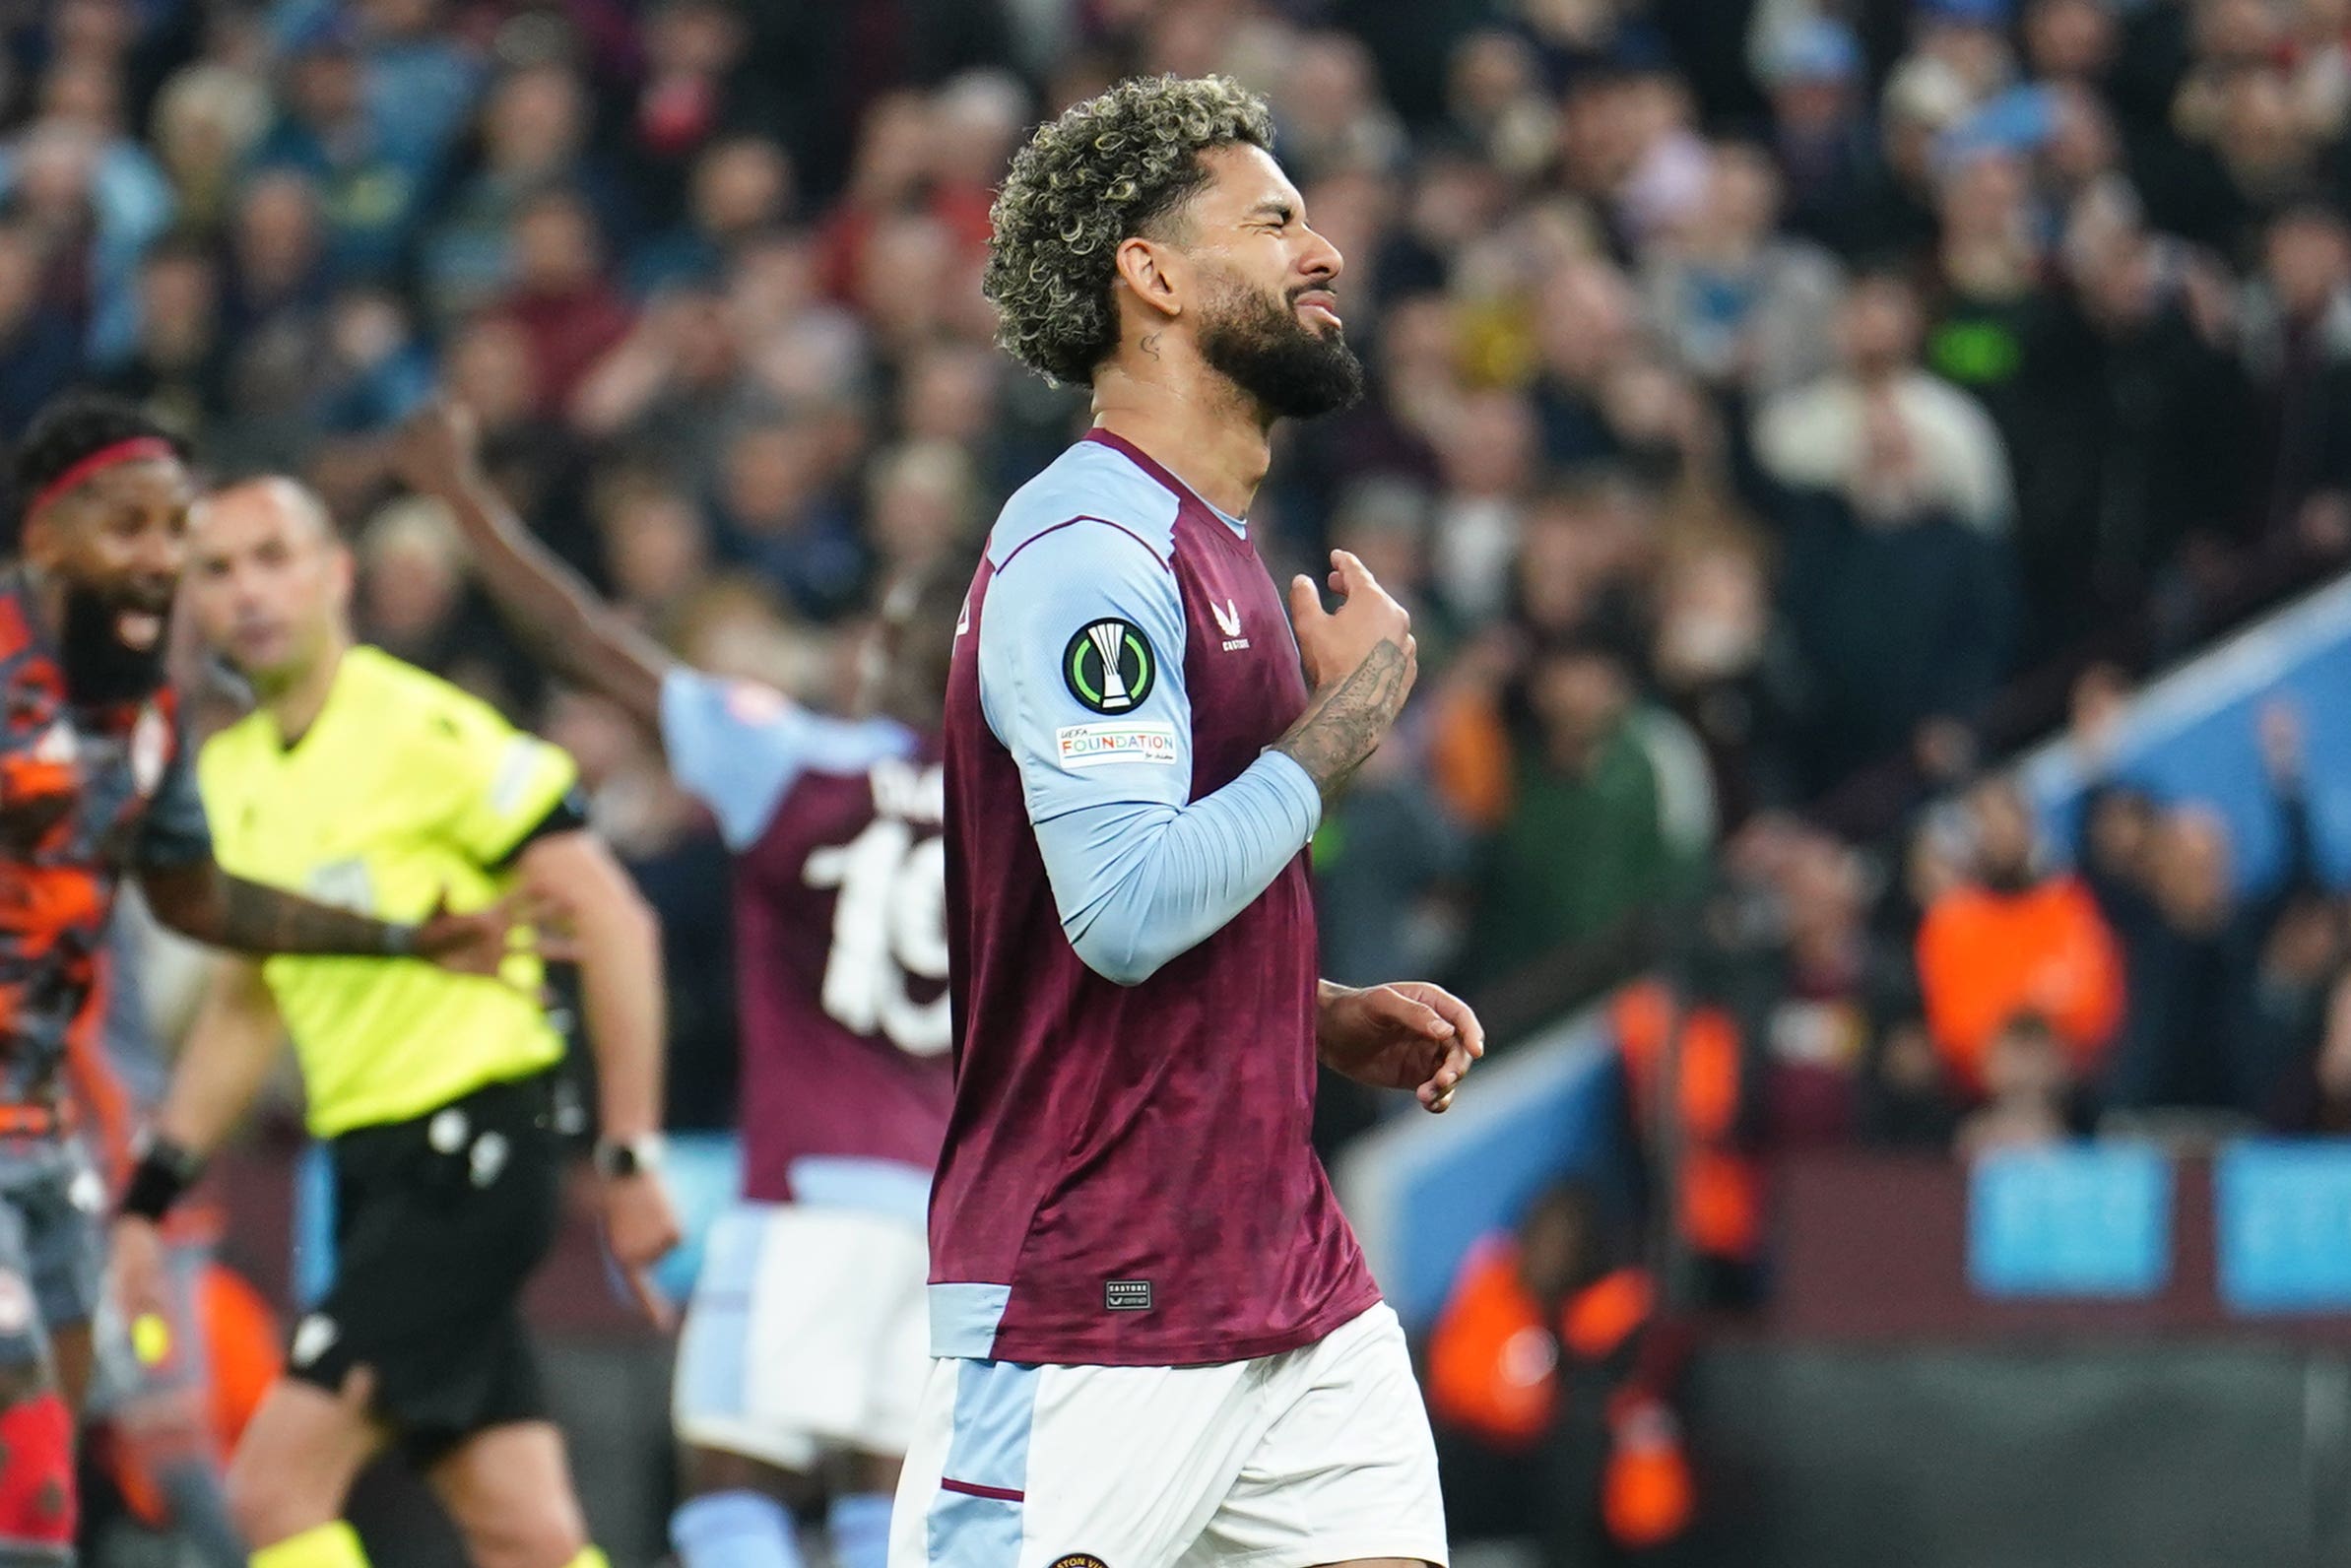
254,918
1343,725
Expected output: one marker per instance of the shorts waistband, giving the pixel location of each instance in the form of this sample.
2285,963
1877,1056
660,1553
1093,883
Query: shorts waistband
504,1103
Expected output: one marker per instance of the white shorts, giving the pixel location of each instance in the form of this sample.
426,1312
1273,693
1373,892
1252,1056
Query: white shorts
1319,1455
808,1335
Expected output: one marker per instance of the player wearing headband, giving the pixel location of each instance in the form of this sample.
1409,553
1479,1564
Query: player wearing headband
93,787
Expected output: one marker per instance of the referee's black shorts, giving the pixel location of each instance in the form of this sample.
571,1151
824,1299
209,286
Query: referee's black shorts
439,1221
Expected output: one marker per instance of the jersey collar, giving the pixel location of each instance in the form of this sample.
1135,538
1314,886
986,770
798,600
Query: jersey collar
1167,480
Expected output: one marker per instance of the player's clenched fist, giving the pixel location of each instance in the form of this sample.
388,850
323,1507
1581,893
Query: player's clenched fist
1335,644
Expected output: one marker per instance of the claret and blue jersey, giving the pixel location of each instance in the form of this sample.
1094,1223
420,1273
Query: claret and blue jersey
840,932
1128,1177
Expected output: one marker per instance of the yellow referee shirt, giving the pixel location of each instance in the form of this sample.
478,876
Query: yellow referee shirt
403,792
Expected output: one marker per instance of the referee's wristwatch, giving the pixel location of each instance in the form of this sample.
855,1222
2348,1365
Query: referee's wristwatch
619,1157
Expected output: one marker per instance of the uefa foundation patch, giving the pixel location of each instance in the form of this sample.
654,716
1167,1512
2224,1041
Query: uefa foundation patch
1083,746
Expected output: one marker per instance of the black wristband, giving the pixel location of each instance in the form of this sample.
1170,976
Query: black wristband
165,1171
399,941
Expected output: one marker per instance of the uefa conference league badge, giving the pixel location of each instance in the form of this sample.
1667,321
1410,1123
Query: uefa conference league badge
1109,666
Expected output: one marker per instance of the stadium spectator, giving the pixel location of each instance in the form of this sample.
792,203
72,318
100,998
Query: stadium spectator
2315,1095
2029,1091
1586,327
681,58
40,352
1585,552
91,216
1989,290
1825,979
1740,304
1901,612
743,187
1383,521
80,119
411,602
1385,858
534,137
559,294
375,367
2113,855
1721,660
1487,449
1381,861
1495,100
2013,938
678,385
2133,423
2292,990
656,544
779,512
372,187
1820,130
1821,436
1606,822
1391,436
919,505
276,259
421,77
534,456
1909,1101
179,361
207,120
2197,949
2298,345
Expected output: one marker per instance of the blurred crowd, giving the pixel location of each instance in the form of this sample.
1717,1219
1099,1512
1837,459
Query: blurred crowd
1774,403
1780,411
2000,988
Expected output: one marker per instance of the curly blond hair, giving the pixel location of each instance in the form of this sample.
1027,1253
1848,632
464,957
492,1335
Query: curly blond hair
1096,176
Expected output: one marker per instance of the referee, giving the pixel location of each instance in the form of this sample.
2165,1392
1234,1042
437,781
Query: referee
368,783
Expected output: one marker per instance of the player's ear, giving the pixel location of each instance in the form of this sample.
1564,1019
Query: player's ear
342,572
1147,269
42,539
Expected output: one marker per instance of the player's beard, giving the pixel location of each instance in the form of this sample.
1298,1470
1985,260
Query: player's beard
102,670
1256,342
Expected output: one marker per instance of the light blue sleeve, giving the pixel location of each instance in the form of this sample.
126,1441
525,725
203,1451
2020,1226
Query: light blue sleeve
740,746
1140,872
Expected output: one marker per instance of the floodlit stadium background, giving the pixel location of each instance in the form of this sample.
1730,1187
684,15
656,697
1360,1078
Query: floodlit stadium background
1786,414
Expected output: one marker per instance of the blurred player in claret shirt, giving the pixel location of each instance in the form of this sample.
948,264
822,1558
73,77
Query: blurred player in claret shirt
804,1354
1157,1339
94,785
